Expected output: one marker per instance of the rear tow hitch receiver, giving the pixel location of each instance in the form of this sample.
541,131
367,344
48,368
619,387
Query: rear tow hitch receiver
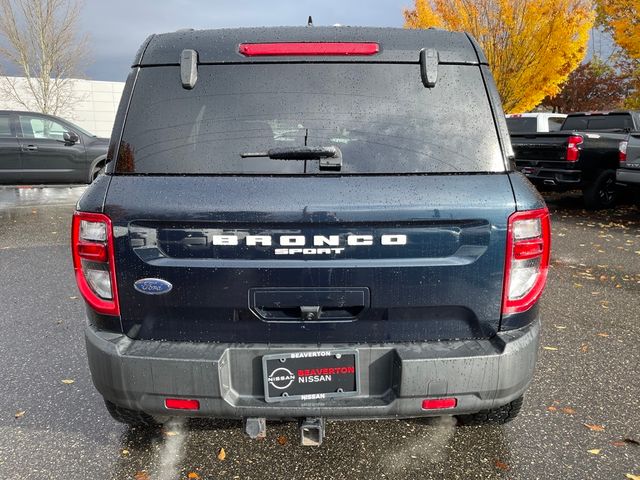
256,428
312,431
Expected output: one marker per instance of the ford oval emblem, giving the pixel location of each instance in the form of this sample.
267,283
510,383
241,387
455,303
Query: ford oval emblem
152,286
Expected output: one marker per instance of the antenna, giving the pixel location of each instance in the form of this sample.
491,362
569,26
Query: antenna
310,22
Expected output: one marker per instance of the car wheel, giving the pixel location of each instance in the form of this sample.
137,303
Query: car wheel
133,418
494,416
97,170
602,193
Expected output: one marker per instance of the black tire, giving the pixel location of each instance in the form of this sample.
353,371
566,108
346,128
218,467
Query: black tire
130,417
602,193
495,416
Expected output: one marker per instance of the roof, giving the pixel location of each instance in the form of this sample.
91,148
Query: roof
535,114
608,112
396,44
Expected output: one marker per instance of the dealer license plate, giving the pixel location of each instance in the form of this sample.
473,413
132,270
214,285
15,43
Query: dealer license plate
310,375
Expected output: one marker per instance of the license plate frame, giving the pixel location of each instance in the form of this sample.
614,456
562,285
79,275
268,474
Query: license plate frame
282,380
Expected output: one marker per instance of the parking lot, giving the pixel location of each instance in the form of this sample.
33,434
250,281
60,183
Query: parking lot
581,418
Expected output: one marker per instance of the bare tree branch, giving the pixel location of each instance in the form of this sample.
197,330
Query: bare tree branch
39,38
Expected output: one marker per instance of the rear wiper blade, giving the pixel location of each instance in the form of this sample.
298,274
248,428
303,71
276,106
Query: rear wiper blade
330,157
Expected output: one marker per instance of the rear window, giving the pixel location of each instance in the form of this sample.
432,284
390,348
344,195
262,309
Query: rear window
380,116
522,124
599,122
555,123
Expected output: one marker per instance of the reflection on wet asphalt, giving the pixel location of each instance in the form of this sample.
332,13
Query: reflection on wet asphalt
24,196
587,374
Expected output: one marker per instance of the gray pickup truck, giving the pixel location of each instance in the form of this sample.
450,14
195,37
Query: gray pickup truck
584,154
629,171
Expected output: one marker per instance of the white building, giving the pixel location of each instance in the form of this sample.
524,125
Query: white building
94,110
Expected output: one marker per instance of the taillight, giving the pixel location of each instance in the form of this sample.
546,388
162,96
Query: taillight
622,151
573,148
93,261
527,262
308,48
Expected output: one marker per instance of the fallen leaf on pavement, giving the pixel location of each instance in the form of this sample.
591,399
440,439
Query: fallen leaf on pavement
68,381
193,475
552,409
553,349
282,440
222,454
595,451
502,466
584,348
20,413
568,410
125,452
594,428
632,477
602,334
141,476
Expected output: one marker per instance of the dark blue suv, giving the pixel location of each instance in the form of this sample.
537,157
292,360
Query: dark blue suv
311,223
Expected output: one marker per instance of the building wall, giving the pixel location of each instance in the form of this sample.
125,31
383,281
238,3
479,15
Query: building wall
94,108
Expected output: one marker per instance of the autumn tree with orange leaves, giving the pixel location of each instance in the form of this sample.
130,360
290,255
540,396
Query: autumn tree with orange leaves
621,19
532,45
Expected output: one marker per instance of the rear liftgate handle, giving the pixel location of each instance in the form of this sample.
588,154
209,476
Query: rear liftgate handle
310,313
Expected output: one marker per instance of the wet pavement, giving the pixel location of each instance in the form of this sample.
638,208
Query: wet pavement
587,375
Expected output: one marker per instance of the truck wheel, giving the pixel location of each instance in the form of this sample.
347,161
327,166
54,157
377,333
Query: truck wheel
495,416
602,192
130,417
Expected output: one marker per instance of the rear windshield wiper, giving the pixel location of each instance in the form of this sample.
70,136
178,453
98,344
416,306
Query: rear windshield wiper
330,157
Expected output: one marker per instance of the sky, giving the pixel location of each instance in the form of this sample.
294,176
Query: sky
116,28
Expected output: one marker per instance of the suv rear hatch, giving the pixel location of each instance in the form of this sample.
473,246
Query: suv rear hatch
406,242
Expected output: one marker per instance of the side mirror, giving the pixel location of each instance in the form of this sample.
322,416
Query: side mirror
70,137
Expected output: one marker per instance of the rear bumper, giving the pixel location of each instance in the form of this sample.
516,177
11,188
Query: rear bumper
551,177
628,176
394,379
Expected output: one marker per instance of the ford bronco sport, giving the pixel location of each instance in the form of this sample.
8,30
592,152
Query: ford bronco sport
311,224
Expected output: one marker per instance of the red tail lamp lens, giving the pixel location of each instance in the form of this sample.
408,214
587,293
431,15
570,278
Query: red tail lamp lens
93,261
181,404
573,148
622,151
439,403
309,48
527,262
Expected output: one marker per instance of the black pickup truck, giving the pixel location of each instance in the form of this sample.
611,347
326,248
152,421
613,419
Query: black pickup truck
584,154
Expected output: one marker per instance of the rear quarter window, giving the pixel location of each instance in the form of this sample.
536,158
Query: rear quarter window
380,116
5,126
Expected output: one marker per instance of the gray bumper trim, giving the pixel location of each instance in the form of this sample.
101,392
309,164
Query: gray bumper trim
628,176
394,378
